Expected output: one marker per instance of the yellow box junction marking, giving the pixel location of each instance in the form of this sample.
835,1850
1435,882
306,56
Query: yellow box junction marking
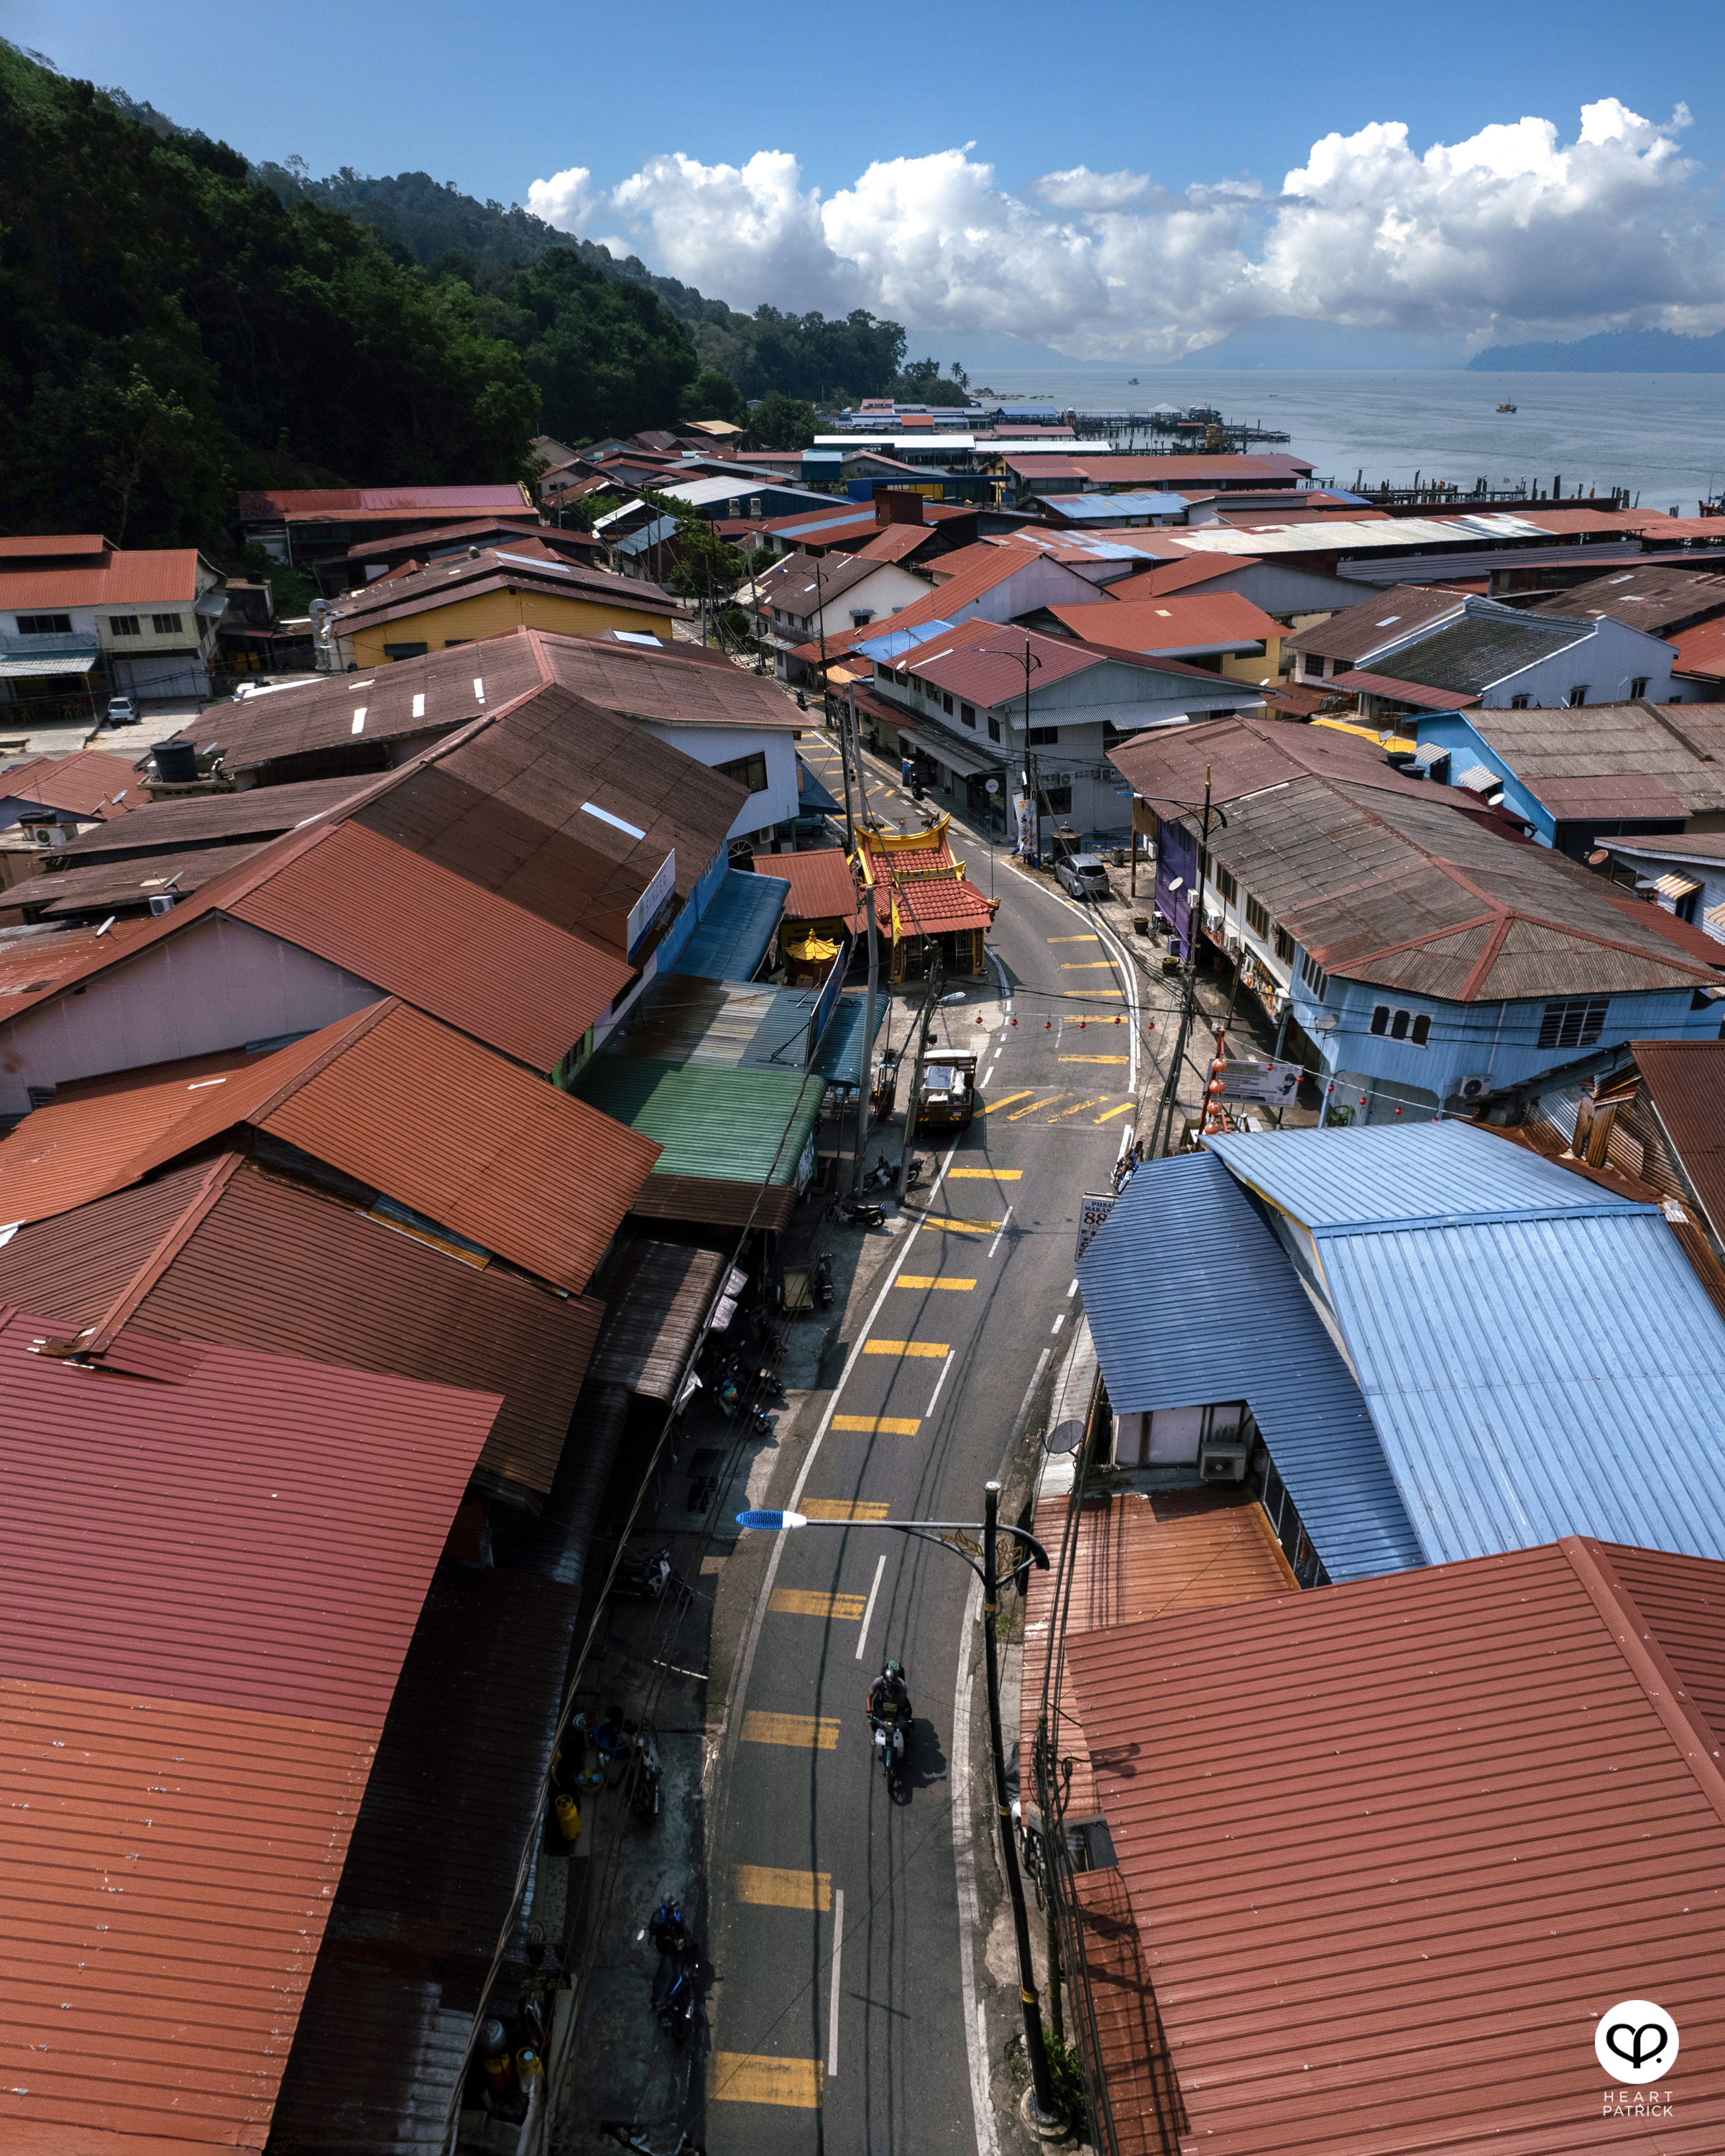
935,1279
1006,1100
962,1227
775,1888
881,1425
804,1732
1077,1105
1124,1109
1049,1101
936,1350
1092,1059
845,1508
993,1174
810,1602
739,2077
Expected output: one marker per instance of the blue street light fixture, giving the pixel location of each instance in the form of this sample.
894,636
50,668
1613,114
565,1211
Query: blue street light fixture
1044,2110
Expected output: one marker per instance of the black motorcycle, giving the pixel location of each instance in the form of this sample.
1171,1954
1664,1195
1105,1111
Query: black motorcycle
824,1279
892,1734
857,1213
674,1981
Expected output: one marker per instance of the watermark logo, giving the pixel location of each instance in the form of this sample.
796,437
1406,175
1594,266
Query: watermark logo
1636,2042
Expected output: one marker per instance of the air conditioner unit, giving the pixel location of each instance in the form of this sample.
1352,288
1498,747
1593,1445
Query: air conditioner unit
1224,1459
1475,1088
162,901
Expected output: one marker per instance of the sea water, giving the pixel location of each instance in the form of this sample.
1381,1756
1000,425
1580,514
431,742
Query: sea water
1662,436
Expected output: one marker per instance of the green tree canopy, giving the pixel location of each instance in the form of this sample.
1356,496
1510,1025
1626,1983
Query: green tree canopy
779,422
713,395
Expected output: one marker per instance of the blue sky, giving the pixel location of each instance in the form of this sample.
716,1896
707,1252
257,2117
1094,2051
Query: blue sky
716,145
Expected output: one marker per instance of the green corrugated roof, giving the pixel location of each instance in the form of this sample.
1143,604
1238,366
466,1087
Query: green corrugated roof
724,1125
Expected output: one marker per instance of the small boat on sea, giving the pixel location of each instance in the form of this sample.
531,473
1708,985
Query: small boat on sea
1506,407
1131,382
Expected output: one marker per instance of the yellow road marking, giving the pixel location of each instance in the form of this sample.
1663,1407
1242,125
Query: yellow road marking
1091,1059
809,1602
984,1107
806,1733
739,2077
845,1508
935,1350
881,1425
962,1227
996,1174
1099,990
1124,1109
775,1888
1077,1104
1089,966
1052,1097
1074,939
933,1279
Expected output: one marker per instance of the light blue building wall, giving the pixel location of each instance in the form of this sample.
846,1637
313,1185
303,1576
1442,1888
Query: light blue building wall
1500,1043
1450,731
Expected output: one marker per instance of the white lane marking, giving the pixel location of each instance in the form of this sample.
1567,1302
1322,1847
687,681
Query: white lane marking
1005,985
862,1637
992,1068
1112,942
1071,1291
1060,1322
939,1382
746,1660
995,1244
833,1982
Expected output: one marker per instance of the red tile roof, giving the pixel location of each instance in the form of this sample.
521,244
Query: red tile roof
215,1576
822,886
1394,1844
1170,624
164,576
82,785
392,1098
219,1249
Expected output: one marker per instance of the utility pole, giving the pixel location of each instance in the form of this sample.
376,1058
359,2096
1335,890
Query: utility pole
1042,2087
1188,993
868,1044
930,1003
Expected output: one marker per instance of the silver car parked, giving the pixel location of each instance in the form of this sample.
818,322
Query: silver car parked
1084,876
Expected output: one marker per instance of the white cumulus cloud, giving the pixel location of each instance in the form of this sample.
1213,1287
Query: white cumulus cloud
1512,232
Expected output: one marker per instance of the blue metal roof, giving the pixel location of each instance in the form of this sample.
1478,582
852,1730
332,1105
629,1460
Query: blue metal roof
1534,1378
736,928
840,1057
1403,1172
894,644
1191,1299
1083,506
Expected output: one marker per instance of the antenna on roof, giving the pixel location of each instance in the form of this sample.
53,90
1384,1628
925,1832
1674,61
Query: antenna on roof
173,879
107,924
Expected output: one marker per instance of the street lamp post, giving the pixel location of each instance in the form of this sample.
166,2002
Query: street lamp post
1044,2109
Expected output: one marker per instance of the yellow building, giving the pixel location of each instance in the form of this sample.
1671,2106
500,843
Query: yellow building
463,597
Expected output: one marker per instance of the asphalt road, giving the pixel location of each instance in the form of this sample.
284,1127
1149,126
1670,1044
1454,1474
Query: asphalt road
836,2017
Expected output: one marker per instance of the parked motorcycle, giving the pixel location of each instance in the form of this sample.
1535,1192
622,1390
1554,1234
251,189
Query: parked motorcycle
641,1776
644,1577
857,1213
824,1279
884,1175
675,1979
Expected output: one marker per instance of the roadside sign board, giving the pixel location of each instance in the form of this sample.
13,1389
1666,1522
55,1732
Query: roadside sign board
1257,1078
1092,1212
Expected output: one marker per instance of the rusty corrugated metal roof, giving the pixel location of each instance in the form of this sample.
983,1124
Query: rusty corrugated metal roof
389,1096
260,504
221,1251
99,885
256,812
657,1297
138,576
1684,1081
1437,1824
84,784
822,886
669,686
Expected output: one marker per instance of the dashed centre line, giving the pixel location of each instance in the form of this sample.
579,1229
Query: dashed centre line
1124,1109
962,1227
1088,966
1074,939
933,1349
1077,1105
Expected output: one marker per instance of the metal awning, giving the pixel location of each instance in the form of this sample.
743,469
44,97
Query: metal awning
1675,885
1430,752
59,662
956,755
1478,780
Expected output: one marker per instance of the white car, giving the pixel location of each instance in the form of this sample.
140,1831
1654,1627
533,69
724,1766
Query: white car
121,711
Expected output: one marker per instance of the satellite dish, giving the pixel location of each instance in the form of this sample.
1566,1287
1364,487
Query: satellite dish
1065,1437
1327,1023
993,786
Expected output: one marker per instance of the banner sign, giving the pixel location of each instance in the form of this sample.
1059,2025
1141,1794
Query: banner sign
1258,1078
1092,1212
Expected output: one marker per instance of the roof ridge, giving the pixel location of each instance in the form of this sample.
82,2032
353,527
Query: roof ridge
94,1338
1488,957
353,1029
1640,1648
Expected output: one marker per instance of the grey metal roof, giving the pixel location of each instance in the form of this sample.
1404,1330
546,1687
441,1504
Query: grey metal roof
1373,623
1470,656
1427,1171
1614,760
1538,1355
736,928
1191,1299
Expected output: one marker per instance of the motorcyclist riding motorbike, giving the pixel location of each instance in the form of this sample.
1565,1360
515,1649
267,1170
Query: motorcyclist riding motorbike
890,1699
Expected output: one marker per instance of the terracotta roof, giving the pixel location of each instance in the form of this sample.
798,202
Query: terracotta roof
224,1570
822,886
1169,624
894,542
219,1249
1374,1824
411,591
82,785
389,1096
407,926
670,686
524,520
138,576
255,812
1169,471
340,504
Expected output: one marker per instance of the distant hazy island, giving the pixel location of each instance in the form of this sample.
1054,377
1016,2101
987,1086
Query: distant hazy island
1612,352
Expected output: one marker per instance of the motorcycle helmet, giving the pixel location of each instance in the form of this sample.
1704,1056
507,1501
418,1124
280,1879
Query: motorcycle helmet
893,1670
